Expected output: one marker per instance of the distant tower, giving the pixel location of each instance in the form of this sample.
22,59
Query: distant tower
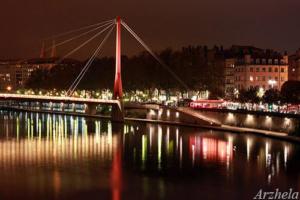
53,51
42,53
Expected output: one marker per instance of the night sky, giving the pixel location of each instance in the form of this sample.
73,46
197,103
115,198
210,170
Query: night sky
161,23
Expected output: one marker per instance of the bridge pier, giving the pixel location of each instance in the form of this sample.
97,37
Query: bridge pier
62,107
91,109
117,112
40,105
73,107
51,106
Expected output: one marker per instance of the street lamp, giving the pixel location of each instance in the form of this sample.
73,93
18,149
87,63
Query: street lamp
9,88
236,93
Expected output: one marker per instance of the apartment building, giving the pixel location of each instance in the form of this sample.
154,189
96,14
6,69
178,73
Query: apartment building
268,70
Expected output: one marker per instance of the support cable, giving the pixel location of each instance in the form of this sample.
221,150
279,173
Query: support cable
74,85
77,36
83,44
153,54
73,31
78,29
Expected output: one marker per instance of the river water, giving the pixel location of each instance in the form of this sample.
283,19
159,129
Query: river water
46,156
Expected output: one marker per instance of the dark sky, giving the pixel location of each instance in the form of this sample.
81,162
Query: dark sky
161,23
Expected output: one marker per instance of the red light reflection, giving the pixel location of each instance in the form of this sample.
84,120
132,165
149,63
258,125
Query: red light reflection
210,149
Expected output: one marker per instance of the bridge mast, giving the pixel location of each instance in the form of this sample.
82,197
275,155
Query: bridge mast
118,110
118,91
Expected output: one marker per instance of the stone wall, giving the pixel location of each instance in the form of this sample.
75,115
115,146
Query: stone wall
257,121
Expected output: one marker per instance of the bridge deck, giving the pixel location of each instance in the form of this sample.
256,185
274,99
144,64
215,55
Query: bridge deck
6,96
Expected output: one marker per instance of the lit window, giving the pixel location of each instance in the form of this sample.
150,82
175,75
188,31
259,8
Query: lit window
270,69
251,78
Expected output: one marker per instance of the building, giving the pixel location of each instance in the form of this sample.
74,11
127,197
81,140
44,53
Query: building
229,76
267,70
249,67
294,66
14,74
231,57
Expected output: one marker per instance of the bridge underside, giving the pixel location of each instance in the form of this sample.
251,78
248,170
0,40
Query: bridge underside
67,107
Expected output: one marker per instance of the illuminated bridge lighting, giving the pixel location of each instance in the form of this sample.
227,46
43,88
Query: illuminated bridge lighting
55,98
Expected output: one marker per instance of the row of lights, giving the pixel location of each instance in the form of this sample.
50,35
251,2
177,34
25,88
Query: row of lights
160,112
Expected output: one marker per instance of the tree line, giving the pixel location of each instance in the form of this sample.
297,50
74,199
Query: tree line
289,93
198,67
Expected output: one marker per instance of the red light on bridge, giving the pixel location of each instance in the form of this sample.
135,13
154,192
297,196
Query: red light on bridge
207,104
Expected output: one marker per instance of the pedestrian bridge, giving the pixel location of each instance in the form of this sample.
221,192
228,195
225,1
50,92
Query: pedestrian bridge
66,104
91,104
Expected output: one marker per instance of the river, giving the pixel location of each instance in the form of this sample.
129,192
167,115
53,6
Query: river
45,156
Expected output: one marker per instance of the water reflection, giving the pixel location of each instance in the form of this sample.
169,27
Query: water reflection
56,148
64,139
55,143
210,149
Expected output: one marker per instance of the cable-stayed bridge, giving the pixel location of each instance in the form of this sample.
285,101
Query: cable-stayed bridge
106,27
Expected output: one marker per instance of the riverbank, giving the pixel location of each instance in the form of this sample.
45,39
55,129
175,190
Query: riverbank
261,121
251,112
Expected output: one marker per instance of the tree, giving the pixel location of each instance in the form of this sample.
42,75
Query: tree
249,96
142,71
290,92
38,79
271,96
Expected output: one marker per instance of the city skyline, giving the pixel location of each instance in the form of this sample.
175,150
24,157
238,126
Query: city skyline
204,23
